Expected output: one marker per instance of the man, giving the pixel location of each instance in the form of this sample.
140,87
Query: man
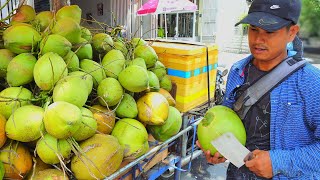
283,127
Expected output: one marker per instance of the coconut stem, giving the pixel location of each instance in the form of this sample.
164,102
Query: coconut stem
13,152
47,103
80,153
58,154
5,4
10,99
10,13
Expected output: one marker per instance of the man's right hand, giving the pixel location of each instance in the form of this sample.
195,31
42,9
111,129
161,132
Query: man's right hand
215,159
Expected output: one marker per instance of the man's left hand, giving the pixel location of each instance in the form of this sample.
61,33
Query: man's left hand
260,164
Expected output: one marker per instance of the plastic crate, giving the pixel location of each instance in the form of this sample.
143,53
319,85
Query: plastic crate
187,67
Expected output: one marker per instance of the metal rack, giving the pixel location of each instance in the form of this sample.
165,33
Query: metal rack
183,154
173,162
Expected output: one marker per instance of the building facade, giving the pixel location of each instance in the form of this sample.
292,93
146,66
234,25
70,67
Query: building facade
213,21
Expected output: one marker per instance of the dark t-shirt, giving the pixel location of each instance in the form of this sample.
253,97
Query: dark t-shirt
256,122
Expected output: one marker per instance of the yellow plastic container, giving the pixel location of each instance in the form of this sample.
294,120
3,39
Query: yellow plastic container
187,66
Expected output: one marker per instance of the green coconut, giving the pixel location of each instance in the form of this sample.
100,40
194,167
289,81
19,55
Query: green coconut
12,98
138,42
139,62
170,128
55,43
134,78
20,69
1,42
113,63
168,96
159,69
88,126
49,149
72,11
86,77
119,45
48,70
132,136
153,108
50,174
21,38
166,83
94,69
147,53
3,137
217,121
71,89
62,119
102,157
1,170
105,118
86,34
44,19
38,165
24,14
72,61
83,49
16,159
110,92
153,81
69,29
127,107
102,43
5,57
25,124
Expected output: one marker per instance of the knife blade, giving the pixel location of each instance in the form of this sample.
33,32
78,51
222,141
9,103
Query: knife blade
229,147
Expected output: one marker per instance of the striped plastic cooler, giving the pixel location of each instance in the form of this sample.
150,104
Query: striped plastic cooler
187,67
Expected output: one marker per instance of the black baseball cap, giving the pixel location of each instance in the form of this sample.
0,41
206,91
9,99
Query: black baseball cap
272,15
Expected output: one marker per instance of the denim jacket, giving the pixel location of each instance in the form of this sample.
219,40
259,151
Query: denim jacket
294,121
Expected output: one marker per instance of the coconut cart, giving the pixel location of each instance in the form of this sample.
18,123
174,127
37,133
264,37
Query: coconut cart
63,101
193,81
192,67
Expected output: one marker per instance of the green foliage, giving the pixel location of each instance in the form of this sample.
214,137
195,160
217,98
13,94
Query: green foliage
310,18
244,26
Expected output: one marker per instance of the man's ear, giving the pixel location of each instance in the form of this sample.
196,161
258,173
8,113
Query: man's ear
293,32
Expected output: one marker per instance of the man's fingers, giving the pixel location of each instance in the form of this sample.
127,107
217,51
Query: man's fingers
212,159
217,154
220,159
208,156
223,159
198,144
250,163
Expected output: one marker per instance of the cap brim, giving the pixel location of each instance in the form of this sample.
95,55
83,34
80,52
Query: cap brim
265,21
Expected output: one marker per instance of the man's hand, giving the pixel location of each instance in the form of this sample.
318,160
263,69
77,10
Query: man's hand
260,164
215,159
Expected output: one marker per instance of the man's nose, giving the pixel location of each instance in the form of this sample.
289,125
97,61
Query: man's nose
260,38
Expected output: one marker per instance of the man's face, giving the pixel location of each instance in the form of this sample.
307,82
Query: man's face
270,46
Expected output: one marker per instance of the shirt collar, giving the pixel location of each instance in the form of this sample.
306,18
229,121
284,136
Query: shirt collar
240,65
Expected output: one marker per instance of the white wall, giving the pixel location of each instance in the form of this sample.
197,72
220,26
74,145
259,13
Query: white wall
207,26
229,12
115,13
91,7
148,23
